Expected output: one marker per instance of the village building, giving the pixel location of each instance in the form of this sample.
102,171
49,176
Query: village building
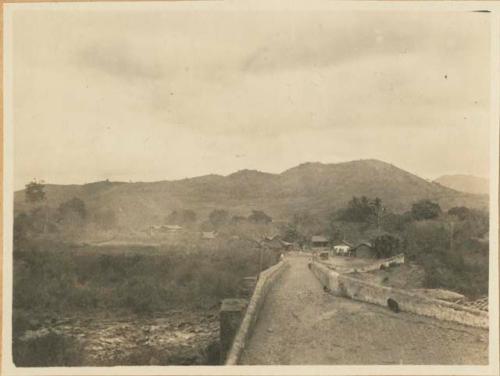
319,241
343,249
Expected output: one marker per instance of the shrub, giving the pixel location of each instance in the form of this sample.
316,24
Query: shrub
57,278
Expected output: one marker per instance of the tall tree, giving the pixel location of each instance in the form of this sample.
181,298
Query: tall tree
377,211
34,192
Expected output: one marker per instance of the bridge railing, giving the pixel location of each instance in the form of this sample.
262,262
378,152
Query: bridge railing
264,283
346,286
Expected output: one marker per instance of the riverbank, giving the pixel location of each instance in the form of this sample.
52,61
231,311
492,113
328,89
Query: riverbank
172,337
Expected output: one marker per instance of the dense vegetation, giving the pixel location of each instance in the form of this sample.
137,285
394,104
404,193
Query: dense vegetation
50,274
60,280
57,275
63,277
73,221
451,246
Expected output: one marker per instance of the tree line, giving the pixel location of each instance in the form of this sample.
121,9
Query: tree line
71,215
451,245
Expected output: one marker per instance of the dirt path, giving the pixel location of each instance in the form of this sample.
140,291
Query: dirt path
301,324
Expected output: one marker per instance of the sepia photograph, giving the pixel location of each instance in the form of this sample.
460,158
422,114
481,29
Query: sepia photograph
308,185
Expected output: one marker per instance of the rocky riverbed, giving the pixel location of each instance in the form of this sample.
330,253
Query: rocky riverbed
166,338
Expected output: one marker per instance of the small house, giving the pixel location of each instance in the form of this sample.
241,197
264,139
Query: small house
319,241
343,249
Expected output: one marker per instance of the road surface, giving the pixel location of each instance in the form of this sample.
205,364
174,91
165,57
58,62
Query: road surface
301,324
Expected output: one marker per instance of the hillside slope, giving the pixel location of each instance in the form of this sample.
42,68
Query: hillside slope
465,183
314,187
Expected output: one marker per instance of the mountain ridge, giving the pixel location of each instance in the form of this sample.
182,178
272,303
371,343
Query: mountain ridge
314,187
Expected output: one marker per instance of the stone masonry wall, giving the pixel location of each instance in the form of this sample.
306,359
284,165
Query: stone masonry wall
346,286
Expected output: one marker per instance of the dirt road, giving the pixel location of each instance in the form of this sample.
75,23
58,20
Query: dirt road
301,324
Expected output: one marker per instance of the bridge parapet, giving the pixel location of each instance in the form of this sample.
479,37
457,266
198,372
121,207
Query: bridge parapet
376,265
346,286
264,283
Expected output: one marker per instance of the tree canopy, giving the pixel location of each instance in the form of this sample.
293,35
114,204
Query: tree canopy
34,192
362,209
425,209
386,245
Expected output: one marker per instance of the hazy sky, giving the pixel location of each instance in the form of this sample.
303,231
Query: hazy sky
153,95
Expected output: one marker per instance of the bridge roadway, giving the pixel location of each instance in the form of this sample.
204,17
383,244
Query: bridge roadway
301,324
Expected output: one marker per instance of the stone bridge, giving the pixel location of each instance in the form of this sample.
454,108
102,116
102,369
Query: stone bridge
299,322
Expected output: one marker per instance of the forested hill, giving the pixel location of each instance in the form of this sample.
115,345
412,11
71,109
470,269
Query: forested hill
313,187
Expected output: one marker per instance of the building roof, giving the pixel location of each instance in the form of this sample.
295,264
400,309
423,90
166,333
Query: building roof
319,239
344,243
367,244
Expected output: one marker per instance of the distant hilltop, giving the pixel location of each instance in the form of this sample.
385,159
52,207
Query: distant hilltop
317,188
465,183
